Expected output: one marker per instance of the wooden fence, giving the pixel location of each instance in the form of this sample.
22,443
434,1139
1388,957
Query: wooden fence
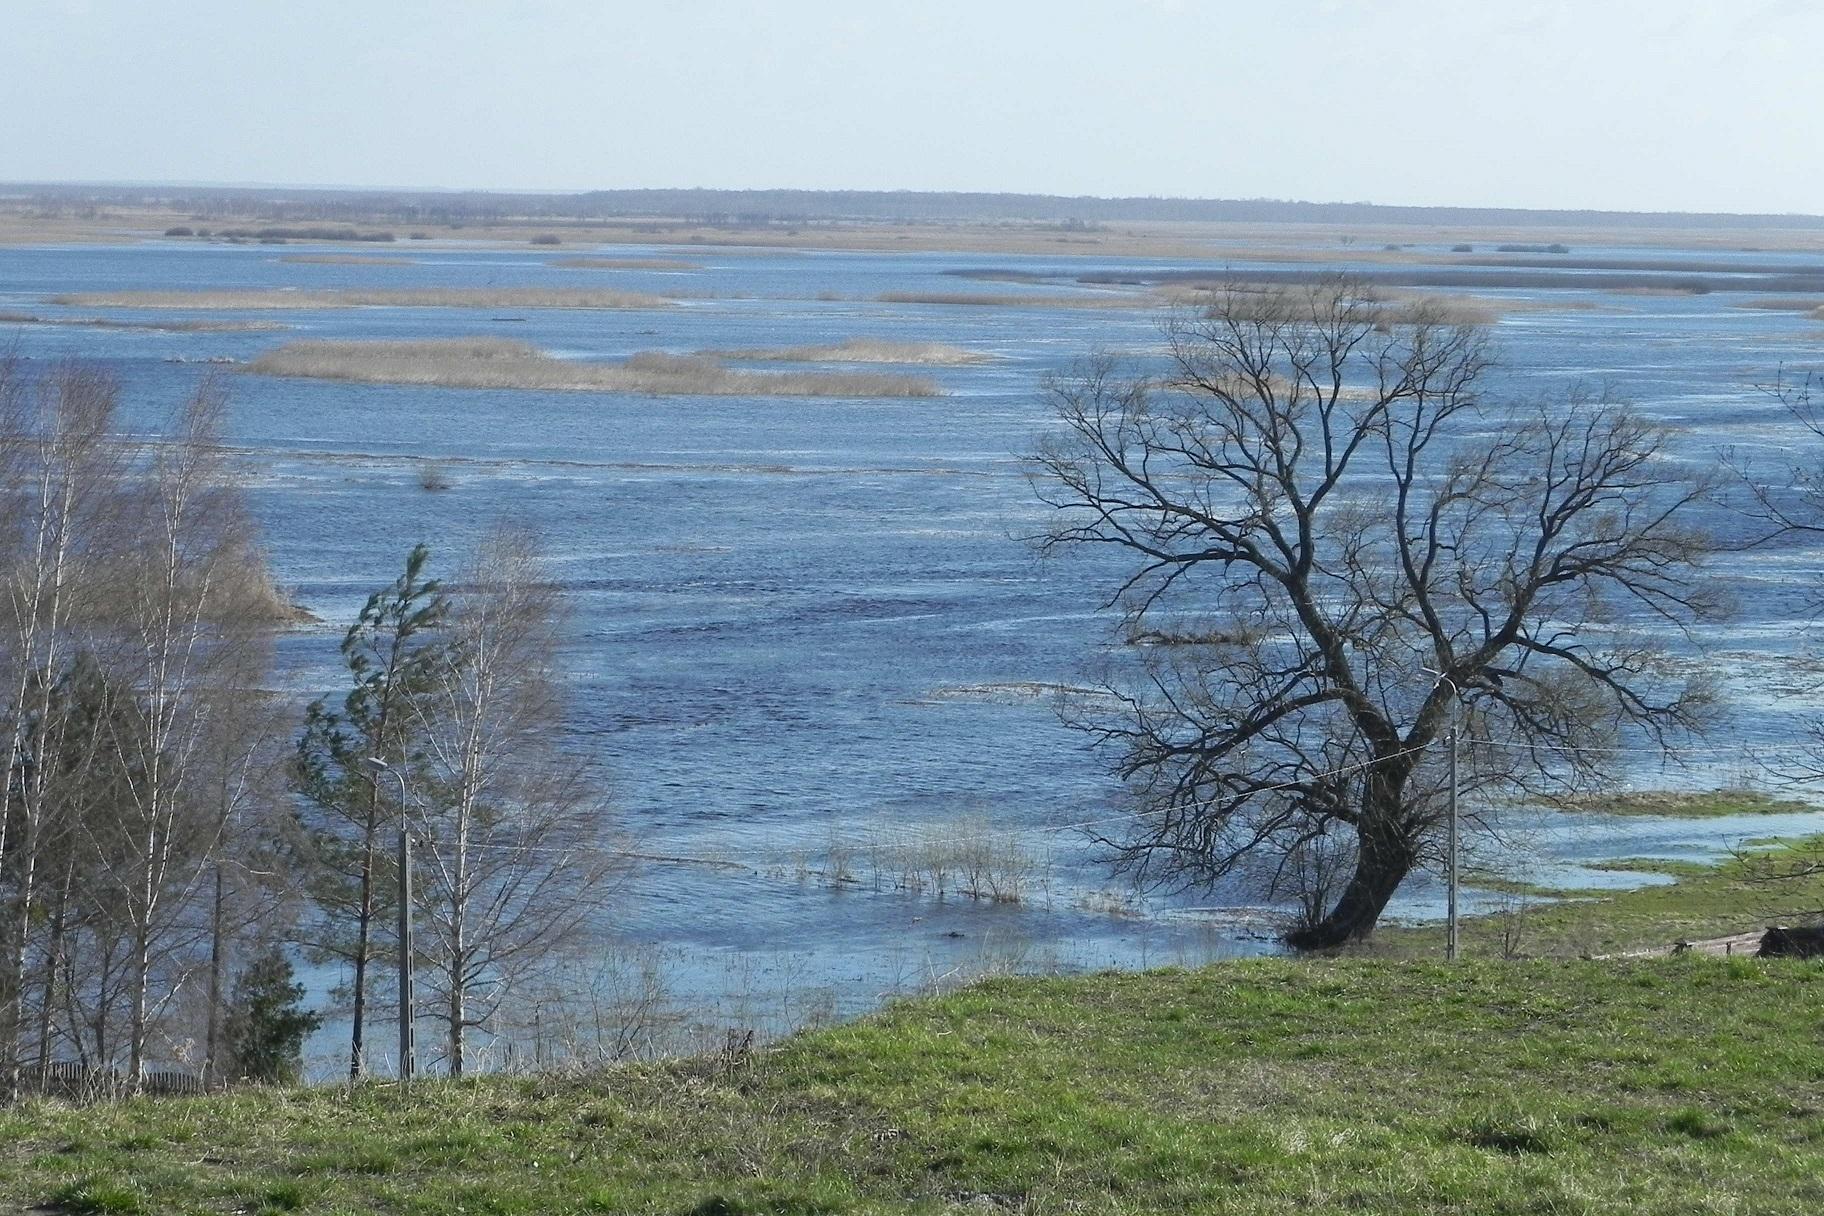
86,1083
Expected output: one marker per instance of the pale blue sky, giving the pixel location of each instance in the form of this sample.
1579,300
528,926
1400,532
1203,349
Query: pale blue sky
1634,104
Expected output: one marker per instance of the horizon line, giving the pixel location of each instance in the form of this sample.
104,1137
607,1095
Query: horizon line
498,191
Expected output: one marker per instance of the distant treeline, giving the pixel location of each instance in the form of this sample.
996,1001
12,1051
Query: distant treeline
749,207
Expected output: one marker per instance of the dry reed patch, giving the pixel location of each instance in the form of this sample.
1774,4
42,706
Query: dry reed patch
433,297
500,363
343,259
1255,300
866,350
587,263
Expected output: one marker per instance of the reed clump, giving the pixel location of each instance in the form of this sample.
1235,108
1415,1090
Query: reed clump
968,858
502,363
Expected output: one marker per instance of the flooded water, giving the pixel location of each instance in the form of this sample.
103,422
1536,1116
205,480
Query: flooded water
806,628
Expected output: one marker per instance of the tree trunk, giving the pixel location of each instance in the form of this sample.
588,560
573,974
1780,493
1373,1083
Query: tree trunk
458,969
14,982
457,1016
139,1022
459,940
1386,856
364,919
53,958
212,1037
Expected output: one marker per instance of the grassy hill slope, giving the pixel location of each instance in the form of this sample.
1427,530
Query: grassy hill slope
1356,1085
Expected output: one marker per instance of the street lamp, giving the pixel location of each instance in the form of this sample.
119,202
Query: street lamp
1451,847
407,1044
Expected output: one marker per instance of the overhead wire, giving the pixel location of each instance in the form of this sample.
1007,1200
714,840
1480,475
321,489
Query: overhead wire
927,834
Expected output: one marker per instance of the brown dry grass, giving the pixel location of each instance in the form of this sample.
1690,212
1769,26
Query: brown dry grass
1401,305
500,363
433,297
865,350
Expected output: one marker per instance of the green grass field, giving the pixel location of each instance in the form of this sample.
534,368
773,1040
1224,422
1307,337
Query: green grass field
1682,804
1704,902
1359,1084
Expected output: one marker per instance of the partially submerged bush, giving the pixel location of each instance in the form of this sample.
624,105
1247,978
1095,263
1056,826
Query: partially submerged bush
433,476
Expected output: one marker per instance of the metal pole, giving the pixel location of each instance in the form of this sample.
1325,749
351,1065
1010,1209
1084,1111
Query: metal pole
1450,938
1450,845
408,1055
408,1052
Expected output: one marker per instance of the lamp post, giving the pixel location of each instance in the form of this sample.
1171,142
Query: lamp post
1450,845
407,1043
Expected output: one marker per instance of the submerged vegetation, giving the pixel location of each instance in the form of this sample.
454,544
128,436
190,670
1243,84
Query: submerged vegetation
969,858
501,363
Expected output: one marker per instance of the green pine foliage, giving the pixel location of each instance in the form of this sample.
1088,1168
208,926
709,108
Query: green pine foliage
267,1023
348,807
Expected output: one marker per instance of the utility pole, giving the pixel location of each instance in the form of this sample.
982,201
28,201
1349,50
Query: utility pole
1450,840
1450,932
408,1050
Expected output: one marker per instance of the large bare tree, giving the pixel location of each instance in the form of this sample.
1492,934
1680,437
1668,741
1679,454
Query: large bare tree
1331,538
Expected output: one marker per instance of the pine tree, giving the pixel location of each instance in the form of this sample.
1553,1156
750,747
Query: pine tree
390,652
267,1024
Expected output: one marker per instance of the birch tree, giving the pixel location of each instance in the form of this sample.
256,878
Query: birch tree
61,479
511,828
190,606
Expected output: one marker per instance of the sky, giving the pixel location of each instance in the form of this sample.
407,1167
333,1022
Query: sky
1699,105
